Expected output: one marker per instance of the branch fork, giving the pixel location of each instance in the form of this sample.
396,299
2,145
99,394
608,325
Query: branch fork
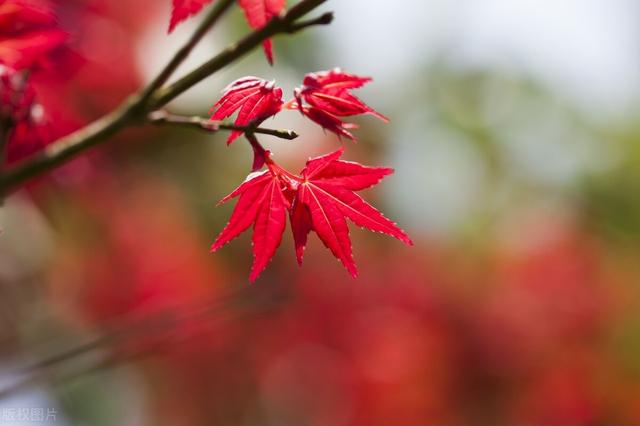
145,106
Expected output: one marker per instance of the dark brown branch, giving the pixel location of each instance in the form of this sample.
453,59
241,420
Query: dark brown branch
209,22
278,25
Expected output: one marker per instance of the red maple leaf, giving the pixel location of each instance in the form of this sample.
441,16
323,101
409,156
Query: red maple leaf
330,92
183,9
326,198
328,97
259,13
27,33
321,200
255,98
25,50
16,15
263,204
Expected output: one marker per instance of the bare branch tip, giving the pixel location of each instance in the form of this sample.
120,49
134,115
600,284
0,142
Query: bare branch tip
326,18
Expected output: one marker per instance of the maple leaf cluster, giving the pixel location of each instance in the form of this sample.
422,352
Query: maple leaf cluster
28,35
325,98
257,12
323,196
319,200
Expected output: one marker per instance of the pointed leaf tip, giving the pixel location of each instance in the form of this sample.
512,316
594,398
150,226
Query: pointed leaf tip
328,194
184,9
258,14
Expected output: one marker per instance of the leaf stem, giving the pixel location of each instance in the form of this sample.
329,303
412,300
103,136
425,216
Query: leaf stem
164,118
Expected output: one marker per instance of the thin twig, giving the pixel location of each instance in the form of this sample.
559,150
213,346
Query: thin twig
236,305
201,123
134,110
61,151
324,19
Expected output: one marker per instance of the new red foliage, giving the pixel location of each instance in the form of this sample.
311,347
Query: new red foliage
330,92
257,12
328,96
255,98
28,33
319,200
328,194
263,204
323,197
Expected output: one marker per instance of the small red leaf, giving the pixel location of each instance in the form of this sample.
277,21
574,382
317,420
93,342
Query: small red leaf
327,192
183,9
334,79
327,96
258,14
263,204
255,99
330,92
321,200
